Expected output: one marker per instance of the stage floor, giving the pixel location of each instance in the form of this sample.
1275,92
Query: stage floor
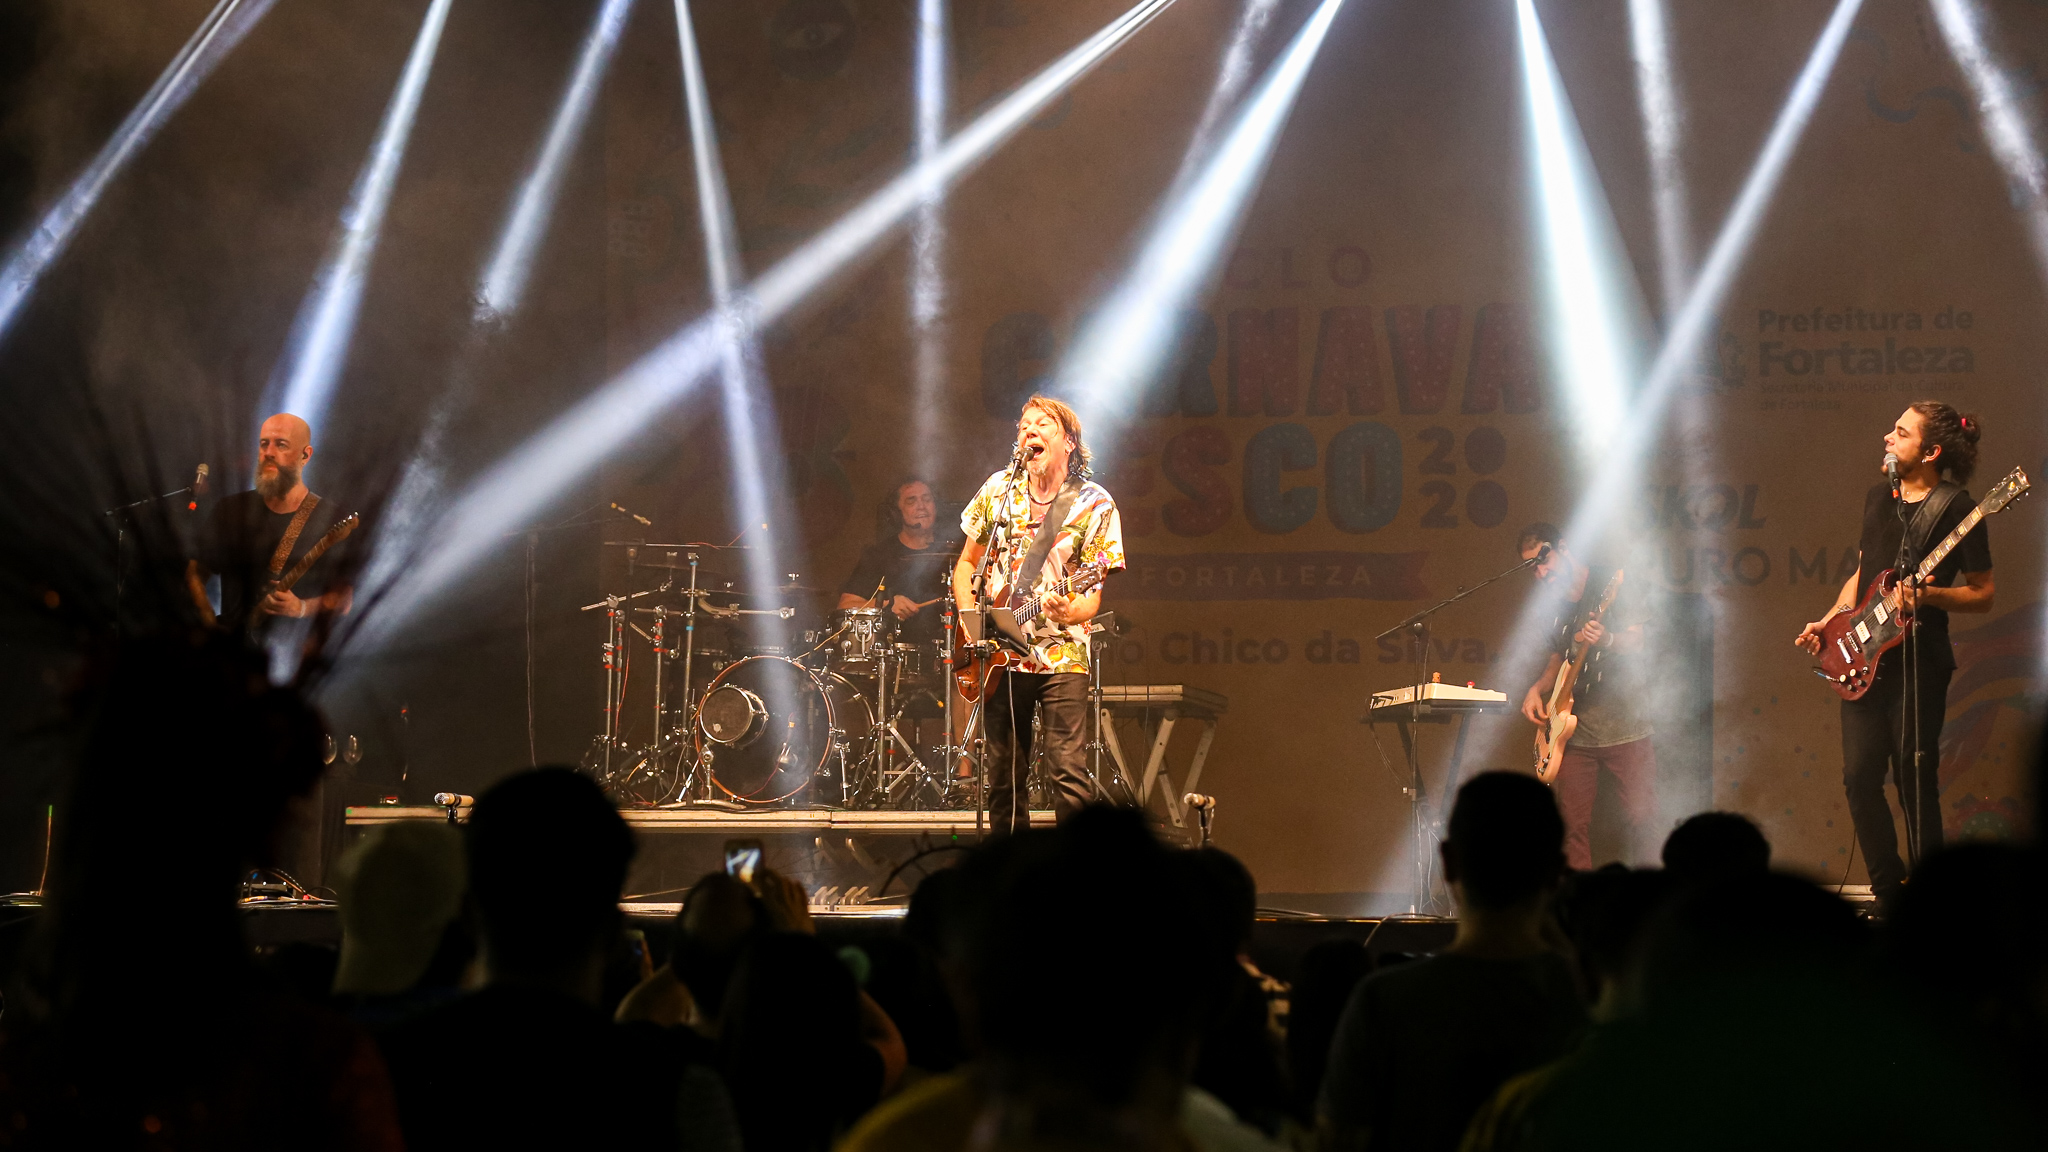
846,860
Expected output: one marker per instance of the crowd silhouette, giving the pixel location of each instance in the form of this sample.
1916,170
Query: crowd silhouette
1085,987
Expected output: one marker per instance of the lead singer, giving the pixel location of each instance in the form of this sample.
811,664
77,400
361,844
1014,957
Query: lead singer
1050,468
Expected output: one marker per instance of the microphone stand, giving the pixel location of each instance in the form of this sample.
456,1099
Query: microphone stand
1417,626
999,516
119,513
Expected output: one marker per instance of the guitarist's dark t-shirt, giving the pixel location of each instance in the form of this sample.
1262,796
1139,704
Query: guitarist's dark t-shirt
1882,530
236,544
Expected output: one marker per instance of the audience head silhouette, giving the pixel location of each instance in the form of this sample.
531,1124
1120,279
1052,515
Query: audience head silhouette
1505,843
168,719
1716,844
400,887
1096,895
719,916
547,861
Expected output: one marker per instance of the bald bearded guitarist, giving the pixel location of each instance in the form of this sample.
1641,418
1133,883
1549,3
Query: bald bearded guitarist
252,538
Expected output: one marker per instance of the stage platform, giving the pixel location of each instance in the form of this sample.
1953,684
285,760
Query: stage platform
1278,943
845,859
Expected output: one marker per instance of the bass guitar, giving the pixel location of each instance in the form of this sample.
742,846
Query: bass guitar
1850,643
975,670
1552,736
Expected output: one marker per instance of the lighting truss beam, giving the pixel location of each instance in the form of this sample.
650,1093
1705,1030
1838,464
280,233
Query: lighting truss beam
1127,340
317,348
217,35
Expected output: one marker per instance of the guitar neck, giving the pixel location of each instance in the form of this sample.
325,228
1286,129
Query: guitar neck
1079,581
1948,543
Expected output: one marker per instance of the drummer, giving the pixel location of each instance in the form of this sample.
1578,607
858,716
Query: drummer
906,562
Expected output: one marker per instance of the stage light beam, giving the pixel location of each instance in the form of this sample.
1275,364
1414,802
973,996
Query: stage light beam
1126,341
500,291
1606,496
217,35
927,232
1231,78
504,281
757,486
1589,299
1663,130
538,472
317,348
2004,116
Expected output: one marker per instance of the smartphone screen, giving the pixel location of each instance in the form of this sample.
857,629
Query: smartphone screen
742,859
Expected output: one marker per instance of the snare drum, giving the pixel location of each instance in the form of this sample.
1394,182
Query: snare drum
861,634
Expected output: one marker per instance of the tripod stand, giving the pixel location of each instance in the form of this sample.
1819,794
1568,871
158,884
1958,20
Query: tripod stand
1422,830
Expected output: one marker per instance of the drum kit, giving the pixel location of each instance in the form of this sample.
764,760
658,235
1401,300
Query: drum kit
763,699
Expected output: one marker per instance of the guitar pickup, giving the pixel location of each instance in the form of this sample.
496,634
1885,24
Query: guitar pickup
1879,611
1862,633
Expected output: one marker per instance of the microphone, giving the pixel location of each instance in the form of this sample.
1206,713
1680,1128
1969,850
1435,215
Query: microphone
1199,802
453,800
1891,471
1542,553
633,514
199,480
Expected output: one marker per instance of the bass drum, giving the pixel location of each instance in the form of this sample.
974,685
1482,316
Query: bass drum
770,727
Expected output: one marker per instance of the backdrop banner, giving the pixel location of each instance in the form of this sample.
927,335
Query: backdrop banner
1365,403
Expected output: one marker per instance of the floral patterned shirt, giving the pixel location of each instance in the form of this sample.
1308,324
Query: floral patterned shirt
1092,532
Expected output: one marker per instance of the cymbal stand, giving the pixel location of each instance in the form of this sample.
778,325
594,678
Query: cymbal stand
691,780
948,754
614,668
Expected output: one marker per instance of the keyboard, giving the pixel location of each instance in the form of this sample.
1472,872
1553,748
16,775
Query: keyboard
1443,698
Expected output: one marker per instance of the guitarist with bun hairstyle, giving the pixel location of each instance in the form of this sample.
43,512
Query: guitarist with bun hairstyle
1047,480
1613,734
1936,451
273,547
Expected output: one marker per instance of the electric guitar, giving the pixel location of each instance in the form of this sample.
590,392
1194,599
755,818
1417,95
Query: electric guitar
1851,642
291,576
976,670
1551,737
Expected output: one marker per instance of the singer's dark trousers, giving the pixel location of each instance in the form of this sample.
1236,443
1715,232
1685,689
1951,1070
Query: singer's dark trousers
1872,742
1062,700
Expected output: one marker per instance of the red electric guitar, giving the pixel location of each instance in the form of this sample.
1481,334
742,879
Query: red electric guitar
1851,642
975,672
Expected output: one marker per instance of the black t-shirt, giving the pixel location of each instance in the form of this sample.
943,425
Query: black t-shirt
919,574
1882,530
1420,1047
241,534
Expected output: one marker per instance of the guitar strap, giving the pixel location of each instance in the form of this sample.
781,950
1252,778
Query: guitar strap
1930,513
1041,544
291,534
